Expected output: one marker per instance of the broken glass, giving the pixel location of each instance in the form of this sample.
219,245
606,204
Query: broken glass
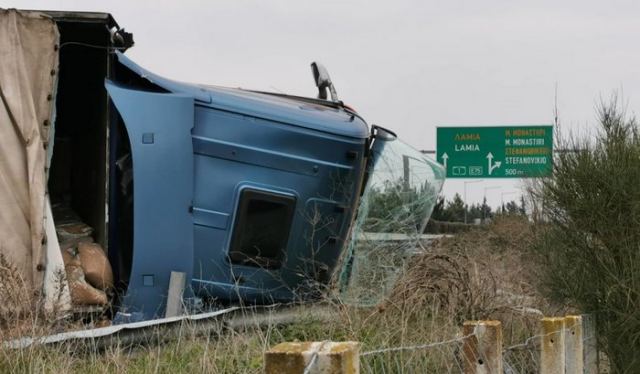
395,206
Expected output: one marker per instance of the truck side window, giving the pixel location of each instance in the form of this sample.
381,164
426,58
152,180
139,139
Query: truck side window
261,229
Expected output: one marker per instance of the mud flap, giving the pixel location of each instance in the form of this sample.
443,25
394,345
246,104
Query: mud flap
159,127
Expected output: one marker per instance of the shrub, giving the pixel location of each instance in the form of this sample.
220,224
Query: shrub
589,241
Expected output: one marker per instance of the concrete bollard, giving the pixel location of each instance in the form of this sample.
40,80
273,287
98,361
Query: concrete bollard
573,345
552,355
590,344
482,352
330,358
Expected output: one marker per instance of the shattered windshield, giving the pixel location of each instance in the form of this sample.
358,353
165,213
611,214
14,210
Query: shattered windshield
394,209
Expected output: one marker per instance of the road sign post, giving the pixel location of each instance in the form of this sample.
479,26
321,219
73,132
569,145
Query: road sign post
496,152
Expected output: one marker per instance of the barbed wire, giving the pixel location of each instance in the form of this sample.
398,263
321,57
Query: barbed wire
526,342
524,357
416,347
314,357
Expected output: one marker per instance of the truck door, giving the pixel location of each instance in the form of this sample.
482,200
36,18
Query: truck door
159,129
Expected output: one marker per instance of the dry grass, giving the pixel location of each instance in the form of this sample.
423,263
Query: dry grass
241,350
484,273
475,275
16,304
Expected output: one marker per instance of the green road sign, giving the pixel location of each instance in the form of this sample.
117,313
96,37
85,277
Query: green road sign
496,152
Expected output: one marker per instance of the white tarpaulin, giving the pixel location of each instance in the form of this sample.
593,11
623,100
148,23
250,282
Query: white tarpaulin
28,69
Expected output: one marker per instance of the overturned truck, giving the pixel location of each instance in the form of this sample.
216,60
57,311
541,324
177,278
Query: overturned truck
251,196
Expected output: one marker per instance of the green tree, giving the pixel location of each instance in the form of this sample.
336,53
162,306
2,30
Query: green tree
455,209
485,209
523,207
439,211
512,208
475,211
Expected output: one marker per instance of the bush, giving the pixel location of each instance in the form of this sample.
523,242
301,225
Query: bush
590,240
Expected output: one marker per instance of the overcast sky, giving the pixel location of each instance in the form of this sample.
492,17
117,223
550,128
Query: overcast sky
406,65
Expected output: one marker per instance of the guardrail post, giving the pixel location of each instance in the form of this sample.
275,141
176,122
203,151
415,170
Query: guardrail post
482,349
573,345
552,357
590,344
320,357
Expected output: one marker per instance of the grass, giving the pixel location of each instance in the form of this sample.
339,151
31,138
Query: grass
242,350
469,281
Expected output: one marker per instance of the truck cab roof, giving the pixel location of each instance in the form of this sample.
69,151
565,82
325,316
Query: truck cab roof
320,115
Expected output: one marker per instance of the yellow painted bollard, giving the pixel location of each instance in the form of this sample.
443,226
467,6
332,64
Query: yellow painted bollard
552,355
482,350
320,357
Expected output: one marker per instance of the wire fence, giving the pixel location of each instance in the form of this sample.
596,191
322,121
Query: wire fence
523,358
471,353
436,357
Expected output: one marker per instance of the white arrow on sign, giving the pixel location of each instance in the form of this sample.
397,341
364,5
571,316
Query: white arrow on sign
445,157
492,165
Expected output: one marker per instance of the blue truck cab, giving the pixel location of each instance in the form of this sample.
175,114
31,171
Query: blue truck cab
252,195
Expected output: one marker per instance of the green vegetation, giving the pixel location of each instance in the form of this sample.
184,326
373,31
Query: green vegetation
589,240
454,210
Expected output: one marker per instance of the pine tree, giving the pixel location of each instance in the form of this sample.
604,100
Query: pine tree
455,209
